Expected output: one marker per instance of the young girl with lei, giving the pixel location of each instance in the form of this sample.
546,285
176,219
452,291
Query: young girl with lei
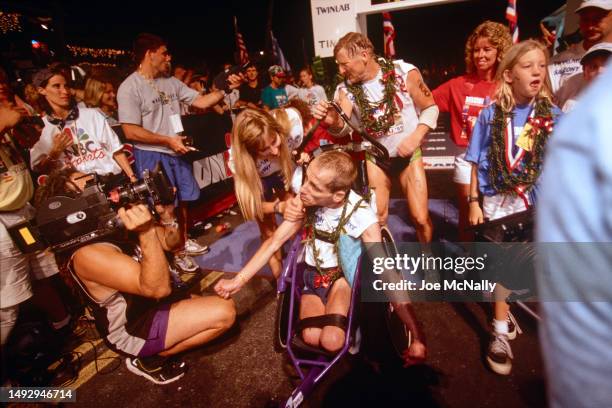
261,162
506,151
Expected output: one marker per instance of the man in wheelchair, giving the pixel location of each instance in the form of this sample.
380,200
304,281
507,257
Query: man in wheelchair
331,208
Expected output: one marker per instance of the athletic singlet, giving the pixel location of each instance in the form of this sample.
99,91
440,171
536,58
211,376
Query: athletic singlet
123,319
405,121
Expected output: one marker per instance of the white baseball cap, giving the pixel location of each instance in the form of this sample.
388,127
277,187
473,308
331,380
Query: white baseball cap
599,48
602,4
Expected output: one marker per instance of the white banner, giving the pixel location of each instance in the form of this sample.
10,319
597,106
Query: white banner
331,19
210,170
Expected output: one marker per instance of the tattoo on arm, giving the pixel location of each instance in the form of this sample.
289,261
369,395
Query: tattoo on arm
424,89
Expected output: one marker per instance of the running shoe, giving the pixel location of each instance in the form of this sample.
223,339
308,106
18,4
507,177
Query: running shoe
165,371
499,354
193,248
185,263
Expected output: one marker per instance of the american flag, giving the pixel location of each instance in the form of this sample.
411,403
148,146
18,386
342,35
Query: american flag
243,55
512,17
279,57
389,35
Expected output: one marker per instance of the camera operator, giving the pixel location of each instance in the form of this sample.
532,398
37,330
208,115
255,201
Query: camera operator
22,277
127,284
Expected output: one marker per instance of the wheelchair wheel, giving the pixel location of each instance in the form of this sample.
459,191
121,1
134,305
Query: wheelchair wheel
388,242
281,322
398,333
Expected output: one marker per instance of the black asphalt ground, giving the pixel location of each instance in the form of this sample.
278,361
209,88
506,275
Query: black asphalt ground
242,369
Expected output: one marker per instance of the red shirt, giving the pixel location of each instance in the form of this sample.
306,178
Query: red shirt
464,97
321,133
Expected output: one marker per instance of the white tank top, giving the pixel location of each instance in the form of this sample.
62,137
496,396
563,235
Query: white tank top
406,120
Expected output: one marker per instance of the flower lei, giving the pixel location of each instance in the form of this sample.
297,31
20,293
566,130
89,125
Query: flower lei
311,234
367,108
508,181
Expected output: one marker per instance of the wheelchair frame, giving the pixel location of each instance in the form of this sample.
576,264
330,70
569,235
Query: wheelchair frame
289,283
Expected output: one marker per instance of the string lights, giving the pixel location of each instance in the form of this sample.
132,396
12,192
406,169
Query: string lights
95,52
9,22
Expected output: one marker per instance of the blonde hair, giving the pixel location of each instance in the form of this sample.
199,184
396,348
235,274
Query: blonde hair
503,94
248,133
93,92
33,98
282,119
353,43
497,34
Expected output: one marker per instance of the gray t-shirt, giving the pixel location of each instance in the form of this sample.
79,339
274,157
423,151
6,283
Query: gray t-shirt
141,104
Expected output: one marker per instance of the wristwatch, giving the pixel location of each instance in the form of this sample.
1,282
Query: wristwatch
472,199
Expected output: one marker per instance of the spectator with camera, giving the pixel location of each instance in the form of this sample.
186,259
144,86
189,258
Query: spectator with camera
126,281
149,112
22,277
74,136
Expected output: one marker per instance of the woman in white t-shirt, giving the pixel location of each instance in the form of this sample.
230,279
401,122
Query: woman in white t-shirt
311,93
74,136
261,161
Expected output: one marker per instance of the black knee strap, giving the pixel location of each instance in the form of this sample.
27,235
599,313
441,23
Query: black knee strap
333,319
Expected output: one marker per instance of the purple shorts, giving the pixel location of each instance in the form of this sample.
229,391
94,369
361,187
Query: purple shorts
156,341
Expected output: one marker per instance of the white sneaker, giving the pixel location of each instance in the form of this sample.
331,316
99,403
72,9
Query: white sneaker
499,354
193,248
185,263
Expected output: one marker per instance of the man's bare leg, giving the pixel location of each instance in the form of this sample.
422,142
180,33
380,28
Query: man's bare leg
311,306
338,302
331,338
193,322
414,187
381,184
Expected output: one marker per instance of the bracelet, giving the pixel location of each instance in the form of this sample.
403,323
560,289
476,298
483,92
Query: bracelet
173,223
473,199
241,278
277,207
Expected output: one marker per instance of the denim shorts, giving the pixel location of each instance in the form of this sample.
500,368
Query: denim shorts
310,274
179,172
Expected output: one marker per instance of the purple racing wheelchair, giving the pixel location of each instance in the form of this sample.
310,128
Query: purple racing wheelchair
312,363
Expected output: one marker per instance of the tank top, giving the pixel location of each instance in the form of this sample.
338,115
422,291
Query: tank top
405,121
